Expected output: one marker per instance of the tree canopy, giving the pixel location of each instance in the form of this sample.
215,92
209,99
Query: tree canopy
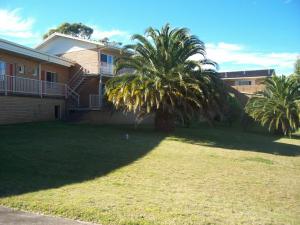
163,79
278,106
297,67
74,29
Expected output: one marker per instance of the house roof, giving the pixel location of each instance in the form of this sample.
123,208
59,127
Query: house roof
33,53
55,35
247,74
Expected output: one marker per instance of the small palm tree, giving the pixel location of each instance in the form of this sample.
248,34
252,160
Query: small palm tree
278,105
164,80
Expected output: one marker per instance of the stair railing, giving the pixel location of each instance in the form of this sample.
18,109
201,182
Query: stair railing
76,76
73,95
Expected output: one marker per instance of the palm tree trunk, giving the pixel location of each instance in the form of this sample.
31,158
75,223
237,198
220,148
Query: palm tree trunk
164,121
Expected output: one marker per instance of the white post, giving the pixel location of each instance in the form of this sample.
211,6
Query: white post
100,91
40,80
5,84
66,91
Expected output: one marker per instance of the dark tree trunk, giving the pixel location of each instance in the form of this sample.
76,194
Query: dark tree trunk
164,121
279,131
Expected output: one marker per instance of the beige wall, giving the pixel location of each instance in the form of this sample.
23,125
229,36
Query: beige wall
88,59
30,64
257,85
14,109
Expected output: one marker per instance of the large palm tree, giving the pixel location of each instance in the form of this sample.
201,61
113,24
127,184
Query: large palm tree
164,80
278,106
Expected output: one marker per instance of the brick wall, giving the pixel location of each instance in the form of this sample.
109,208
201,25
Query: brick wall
14,109
30,64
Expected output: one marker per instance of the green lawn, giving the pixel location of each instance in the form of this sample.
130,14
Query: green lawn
197,176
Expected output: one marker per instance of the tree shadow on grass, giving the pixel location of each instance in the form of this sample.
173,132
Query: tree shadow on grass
38,156
236,139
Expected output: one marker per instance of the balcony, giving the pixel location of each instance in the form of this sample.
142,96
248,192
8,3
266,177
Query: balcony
109,71
249,89
13,85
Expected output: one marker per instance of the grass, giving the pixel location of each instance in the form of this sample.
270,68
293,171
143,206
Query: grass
200,175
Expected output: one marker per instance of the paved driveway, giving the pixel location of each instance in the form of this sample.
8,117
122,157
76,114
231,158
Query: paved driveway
14,217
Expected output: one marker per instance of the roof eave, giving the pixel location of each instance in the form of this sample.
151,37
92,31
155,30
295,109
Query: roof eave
56,34
33,53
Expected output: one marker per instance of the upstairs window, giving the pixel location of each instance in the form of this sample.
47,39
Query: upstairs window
106,64
106,59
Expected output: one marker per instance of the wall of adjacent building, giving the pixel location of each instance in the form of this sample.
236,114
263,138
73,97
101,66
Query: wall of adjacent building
18,109
256,85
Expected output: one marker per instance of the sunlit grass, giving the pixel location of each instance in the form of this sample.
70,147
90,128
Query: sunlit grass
196,176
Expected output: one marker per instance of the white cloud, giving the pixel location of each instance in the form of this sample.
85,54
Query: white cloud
235,57
114,34
13,25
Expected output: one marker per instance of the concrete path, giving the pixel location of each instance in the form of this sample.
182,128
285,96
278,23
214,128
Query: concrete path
15,217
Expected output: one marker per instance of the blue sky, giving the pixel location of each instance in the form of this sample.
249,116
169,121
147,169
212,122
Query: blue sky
241,34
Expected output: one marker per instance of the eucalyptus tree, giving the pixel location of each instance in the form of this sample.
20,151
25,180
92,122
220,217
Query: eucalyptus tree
74,29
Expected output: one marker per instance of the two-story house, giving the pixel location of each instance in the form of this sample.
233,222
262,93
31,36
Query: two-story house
61,73
66,73
95,64
247,82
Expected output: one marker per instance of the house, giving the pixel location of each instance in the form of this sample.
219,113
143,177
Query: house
63,73
95,65
33,84
247,82
67,74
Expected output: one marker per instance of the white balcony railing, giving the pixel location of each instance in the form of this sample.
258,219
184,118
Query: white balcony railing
107,69
27,86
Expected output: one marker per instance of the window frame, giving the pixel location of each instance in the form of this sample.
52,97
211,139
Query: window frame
35,71
55,80
2,70
22,67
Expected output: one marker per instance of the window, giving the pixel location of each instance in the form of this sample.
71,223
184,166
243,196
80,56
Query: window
21,68
35,71
2,70
243,82
106,63
51,77
107,59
